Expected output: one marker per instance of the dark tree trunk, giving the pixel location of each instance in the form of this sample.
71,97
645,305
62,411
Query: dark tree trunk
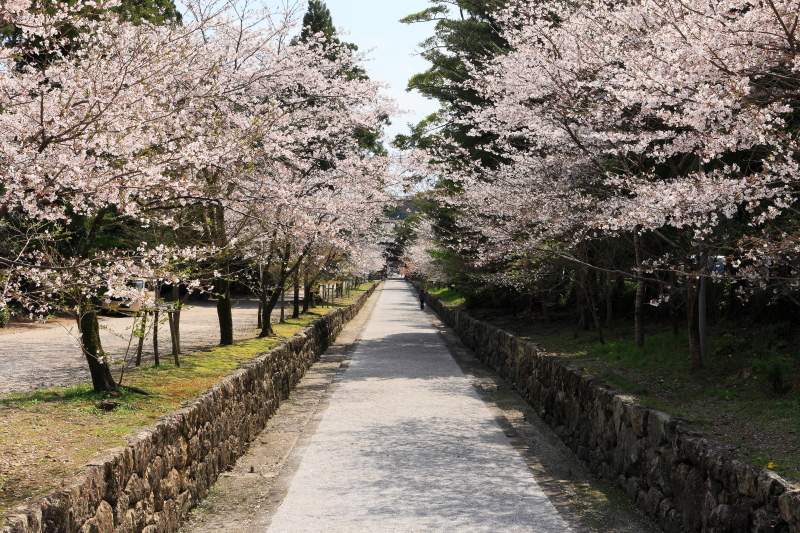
692,294
702,304
102,380
156,355
140,346
280,287
307,296
581,289
283,305
593,310
296,308
223,287
611,284
224,312
173,336
262,294
175,324
269,306
580,303
638,309
673,302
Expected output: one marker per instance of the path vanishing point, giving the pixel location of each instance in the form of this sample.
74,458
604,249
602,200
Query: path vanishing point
386,433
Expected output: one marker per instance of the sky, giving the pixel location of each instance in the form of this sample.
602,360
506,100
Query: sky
392,49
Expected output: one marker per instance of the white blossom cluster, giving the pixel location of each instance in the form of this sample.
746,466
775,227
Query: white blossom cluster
224,113
677,118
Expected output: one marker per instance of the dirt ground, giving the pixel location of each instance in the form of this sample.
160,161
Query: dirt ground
40,355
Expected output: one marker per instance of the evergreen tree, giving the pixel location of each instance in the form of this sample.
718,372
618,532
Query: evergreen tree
458,42
318,20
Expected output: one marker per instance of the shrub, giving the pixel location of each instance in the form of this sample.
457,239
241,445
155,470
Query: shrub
776,370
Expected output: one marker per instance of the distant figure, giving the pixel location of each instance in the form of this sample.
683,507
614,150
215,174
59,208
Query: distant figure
422,298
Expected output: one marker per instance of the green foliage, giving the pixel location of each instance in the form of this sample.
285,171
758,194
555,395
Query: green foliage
154,11
318,20
730,343
137,11
464,36
624,384
776,370
664,351
449,296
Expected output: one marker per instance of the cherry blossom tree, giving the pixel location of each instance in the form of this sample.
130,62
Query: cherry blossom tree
139,123
668,123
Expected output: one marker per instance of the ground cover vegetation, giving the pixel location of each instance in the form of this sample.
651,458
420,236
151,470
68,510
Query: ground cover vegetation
192,149
739,399
49,434
620,182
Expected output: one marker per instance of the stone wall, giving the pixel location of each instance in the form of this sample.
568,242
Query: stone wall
151,484
681,480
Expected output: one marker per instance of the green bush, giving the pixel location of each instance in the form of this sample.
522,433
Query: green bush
776,370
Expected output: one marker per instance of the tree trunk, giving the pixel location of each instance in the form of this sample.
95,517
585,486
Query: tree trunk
99,369
702,305
593,310
296,309
266,327
611,281
224,312
140,346
638,309
283,305
580,304
307,296
673,302
173,337
156,355
262,294
175,323
692,293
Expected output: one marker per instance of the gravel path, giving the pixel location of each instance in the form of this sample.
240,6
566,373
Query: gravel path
408,445
399,428
34,356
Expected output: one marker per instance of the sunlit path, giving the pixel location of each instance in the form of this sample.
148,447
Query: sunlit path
407,445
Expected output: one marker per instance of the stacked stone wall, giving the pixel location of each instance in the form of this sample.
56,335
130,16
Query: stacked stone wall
150,485
681,480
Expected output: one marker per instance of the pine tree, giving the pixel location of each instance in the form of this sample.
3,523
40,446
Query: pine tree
459,42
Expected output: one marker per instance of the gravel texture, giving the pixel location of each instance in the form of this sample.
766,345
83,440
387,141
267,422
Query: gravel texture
35,356
399,428
407,445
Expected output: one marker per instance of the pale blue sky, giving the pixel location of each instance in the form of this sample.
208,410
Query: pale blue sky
392,47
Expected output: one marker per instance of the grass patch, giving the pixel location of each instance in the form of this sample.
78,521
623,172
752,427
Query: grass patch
449,296
663,351
624,384
743,397
49,434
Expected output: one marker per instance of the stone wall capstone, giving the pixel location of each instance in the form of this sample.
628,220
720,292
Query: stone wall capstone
150,485
681,480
